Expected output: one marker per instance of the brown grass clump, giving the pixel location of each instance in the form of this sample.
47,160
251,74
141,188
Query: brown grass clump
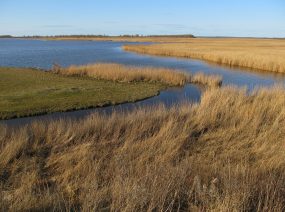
223,154
122,73
209,80
262,54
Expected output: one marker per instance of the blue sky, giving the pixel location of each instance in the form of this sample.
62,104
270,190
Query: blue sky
259,18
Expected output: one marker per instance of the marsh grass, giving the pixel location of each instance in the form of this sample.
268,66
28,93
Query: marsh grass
224,154
122,73
261,54
27,92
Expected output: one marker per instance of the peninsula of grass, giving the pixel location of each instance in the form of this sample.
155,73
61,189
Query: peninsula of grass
260,54
28,92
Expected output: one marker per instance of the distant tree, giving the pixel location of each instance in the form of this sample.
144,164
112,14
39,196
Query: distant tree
6,36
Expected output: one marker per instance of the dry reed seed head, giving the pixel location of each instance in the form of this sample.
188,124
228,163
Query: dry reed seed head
3,133
148,158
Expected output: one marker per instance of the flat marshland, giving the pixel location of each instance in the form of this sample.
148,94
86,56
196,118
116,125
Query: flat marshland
261,54
225,153
26,92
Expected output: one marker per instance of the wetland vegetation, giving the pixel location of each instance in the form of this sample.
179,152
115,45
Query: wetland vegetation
261,54
26,92
225,153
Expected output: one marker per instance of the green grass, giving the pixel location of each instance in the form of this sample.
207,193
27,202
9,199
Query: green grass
27,92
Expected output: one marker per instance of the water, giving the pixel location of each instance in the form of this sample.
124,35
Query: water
42,54
167,97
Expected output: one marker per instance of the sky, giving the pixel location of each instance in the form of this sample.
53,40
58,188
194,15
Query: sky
244,18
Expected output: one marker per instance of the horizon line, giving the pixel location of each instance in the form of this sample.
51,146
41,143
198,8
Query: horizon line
137,35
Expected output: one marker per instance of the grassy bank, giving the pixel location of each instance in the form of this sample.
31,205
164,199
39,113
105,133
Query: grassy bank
262,54
223,154
26,92
122,73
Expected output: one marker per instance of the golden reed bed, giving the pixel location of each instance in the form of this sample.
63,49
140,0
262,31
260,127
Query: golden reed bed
261,54
122,73
223,154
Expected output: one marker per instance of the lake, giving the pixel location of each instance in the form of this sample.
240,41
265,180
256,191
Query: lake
42,54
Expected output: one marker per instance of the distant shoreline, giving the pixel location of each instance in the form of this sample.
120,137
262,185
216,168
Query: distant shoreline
130,36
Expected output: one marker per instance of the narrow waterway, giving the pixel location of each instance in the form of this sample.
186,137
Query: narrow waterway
42,54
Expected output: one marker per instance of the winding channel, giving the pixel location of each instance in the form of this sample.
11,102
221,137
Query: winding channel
42,54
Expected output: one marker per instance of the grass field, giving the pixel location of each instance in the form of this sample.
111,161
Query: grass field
261,54
25,92
223,154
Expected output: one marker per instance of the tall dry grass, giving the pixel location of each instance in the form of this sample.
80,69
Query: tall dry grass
223,154
262,54
122,73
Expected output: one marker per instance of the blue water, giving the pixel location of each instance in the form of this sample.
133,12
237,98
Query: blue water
42,54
